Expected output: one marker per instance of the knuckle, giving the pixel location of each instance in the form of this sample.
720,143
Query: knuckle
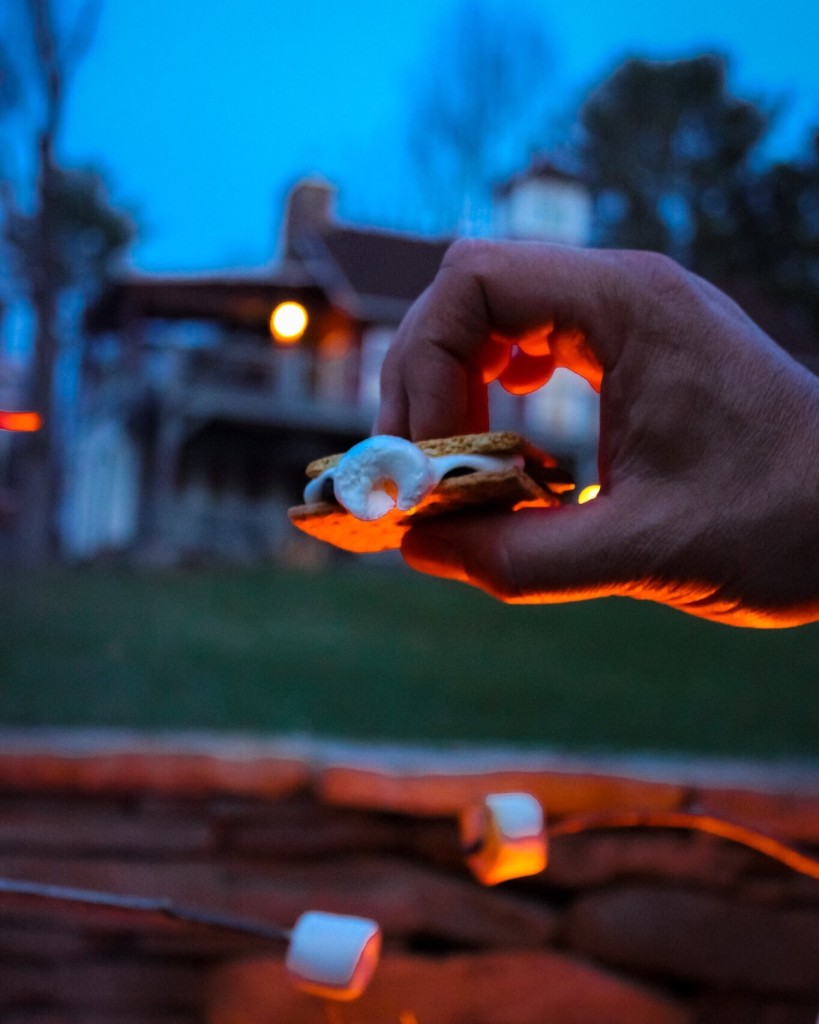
468,255
656,293
659,275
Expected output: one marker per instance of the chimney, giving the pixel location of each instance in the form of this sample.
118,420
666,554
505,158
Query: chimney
309,209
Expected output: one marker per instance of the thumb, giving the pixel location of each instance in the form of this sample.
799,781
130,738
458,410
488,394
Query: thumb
534,555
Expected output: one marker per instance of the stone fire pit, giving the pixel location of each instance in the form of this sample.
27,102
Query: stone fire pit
653,925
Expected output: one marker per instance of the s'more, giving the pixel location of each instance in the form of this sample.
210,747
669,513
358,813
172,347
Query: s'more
366,499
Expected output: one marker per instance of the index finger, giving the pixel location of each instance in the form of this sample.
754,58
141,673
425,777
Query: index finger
432,377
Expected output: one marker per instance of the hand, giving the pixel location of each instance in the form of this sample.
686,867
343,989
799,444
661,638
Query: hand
709,446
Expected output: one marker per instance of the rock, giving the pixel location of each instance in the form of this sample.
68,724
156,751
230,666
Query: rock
84,826
158,770
595,859
447,794
781,889
298,827
727,1009
699,937
787,816
88,989
490,988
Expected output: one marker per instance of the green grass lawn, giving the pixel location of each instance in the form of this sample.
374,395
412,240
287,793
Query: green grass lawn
370,652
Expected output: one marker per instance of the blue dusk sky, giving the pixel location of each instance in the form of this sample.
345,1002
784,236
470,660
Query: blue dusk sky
203,113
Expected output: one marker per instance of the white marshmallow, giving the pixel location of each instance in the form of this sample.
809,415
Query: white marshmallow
333,955
370,470
504,837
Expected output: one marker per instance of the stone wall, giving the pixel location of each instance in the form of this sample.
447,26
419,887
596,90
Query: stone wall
653,925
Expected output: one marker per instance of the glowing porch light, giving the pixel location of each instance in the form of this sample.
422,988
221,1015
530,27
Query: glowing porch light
22,422
288,322
588,494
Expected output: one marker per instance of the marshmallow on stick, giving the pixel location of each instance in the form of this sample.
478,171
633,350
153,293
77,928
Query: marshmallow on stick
333,956
366,499
504,837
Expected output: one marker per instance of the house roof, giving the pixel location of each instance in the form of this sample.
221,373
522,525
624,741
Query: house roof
382,264
373,275
242,299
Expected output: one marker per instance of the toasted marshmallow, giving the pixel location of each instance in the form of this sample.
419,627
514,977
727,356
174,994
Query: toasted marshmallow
504,837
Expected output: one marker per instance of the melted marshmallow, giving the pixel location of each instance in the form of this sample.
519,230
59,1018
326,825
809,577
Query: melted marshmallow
384,472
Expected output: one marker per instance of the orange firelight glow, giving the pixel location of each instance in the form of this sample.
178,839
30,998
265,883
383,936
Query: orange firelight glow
588,494
335,345
288,322
793,859
502,838
499,862
22,422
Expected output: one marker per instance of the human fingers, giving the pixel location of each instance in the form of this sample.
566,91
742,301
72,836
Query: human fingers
707,446
454,389
530,556
574,553
709,501
483,290
494,357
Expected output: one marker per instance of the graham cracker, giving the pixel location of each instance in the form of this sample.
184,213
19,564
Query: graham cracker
493,442
500,489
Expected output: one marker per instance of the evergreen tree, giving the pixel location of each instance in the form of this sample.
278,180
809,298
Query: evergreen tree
785,231
668,151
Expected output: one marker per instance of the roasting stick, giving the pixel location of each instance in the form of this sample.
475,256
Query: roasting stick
144,905
332,956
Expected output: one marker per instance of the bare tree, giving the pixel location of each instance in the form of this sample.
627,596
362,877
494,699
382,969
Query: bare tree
478,109
40,218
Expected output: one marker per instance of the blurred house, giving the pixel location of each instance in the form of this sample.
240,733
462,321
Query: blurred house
206,395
